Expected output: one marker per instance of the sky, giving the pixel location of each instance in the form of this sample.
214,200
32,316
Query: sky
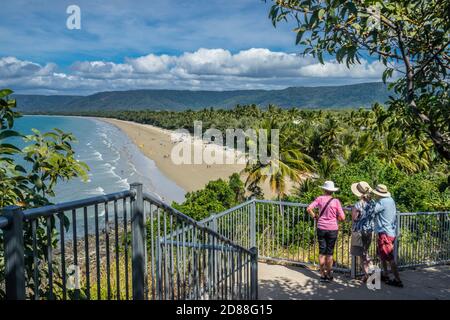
157,44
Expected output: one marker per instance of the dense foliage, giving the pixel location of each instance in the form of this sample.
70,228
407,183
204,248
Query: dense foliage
422,191
46,159
28,176
328,138
348,96
410,38
345,146
215,197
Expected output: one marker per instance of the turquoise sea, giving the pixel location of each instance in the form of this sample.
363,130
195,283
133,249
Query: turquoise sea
114,160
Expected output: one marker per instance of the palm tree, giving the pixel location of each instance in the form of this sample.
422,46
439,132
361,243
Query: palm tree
326,166
403,151
291,163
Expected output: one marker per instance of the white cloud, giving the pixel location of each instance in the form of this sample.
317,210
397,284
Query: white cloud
209,69
100,69
365,70
151,63
255,62
11,67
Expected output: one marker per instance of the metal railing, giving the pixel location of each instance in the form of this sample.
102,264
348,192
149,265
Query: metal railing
423,239
131,245
119,246
284,232
193,261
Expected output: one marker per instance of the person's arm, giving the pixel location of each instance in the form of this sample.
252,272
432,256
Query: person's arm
355,213
378,208
311,208
341,214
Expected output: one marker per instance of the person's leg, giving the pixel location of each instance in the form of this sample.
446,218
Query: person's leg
365,264
385,273
322,263
382,255
331,241
329,265
396,281
394,270
322,251
391,259
367,240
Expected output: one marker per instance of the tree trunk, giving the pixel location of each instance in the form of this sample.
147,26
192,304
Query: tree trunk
440,142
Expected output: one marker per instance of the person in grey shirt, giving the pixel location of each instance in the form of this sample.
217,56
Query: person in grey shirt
385,227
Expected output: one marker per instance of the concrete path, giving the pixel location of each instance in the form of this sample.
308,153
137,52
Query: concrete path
277,282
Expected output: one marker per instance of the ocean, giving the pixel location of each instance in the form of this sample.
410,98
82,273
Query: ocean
114,160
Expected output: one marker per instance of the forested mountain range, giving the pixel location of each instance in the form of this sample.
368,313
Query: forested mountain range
326,97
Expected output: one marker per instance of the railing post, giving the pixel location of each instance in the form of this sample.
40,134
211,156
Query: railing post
397,237
353,260
254,273
353,267
214,223
139,260
14,254
253,223
215,260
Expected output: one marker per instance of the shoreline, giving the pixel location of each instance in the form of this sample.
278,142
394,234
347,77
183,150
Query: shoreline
114,160
156,144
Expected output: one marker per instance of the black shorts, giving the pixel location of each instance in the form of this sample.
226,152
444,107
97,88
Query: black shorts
327,240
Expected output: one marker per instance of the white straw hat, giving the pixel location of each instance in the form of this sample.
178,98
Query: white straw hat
382,191
329,186
361,188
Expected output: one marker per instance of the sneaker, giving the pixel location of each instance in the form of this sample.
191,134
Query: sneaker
330,278
323,279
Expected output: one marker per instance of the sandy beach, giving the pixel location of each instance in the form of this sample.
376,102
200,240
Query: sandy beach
156,144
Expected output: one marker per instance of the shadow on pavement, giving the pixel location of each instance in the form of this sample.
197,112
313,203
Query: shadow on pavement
278,282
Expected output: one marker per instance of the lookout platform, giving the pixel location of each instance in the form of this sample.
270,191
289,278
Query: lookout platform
282,282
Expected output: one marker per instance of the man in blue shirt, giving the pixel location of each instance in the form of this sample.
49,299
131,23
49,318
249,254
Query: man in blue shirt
386,228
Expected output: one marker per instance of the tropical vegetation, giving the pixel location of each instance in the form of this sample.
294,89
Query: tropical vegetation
410,38
344,146
406,144
28,175
339,96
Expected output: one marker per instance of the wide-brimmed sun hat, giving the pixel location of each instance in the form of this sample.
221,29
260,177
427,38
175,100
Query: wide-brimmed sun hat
361,188
329,186
382,191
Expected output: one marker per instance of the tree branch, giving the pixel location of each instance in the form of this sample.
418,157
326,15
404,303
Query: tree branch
435,55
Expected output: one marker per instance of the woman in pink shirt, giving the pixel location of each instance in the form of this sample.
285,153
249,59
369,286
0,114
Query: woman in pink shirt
330,212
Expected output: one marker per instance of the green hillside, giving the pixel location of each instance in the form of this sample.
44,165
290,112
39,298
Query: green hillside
358,95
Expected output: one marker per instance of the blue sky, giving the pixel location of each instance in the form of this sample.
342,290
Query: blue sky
122,45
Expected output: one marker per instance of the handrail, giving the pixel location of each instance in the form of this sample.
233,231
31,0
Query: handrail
66,206
423,213
286,203
292,204
124,213
218,215
195,223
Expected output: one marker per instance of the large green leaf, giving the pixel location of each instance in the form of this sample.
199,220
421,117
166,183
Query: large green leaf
8,148
5,92
9,134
